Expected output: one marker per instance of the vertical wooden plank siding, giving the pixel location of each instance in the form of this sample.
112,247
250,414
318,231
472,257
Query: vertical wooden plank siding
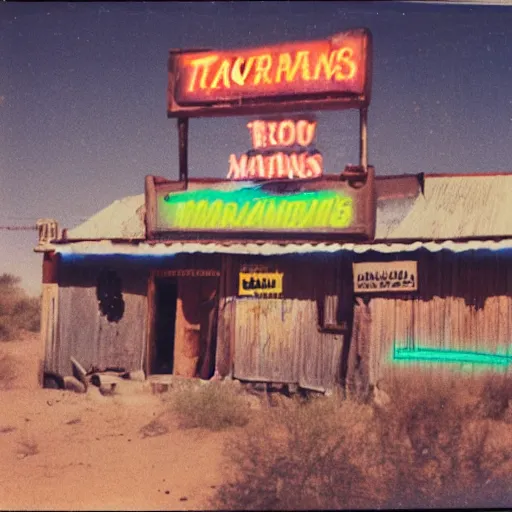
278,339
464,303
87,335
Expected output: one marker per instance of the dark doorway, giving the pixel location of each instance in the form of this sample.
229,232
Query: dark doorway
166,296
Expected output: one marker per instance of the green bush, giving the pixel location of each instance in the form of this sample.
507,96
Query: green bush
213,406
18,311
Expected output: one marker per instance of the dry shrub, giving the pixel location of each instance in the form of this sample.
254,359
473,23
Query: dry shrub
7,371
434,443
427,448
213,406
301,458
18,311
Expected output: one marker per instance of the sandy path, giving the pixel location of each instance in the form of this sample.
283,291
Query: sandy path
91,453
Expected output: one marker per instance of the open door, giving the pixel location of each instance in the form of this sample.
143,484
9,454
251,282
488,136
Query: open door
184,334
166,294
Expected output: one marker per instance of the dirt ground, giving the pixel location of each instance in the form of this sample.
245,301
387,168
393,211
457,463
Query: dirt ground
62,450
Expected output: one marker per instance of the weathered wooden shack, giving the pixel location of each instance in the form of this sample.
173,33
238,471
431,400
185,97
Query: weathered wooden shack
430,292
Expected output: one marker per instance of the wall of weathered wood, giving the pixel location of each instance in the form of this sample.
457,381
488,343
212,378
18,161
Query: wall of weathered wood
464,302
277,339
84,333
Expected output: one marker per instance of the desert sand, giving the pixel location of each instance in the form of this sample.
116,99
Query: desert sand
63,450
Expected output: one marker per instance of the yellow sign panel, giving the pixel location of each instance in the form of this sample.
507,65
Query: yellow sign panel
253,284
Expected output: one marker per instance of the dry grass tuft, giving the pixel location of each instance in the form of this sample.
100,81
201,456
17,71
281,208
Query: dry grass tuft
7,371
213,406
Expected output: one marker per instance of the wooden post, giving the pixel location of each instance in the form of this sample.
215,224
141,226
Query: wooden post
183,147
149,356
150,200
49,311
50,268
363,138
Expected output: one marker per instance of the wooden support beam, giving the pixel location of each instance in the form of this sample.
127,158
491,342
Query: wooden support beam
183,148
50,268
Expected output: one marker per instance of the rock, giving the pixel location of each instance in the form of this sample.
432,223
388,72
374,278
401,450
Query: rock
73,384
138,376
380,397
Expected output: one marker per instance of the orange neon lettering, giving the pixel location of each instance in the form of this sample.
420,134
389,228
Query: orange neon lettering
328,66
258,131
237,75
237,169
303,61
344,56
204,63
283,66
286,133
261,165
272,127
222,74
305,132
251,168
263,65
298,165
314,165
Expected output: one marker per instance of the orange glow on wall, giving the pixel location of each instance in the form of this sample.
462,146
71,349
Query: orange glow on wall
334,66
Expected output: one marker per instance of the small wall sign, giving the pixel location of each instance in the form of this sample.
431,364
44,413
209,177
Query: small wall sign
255,284
391,276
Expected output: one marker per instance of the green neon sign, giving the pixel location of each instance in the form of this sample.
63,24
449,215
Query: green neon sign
450,356
255,209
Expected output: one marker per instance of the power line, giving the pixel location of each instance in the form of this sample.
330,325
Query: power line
19,228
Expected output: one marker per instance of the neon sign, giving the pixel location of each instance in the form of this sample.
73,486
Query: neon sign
338,67
223,72
281,149
450,356
249,209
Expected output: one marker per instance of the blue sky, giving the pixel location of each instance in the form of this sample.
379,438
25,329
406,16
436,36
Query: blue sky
83,98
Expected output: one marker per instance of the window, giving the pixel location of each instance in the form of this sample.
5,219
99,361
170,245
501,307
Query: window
109,295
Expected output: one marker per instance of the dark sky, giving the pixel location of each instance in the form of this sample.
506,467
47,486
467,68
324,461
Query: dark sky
83,97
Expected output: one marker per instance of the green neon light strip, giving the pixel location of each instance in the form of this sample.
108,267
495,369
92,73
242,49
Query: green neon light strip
253,208
450,356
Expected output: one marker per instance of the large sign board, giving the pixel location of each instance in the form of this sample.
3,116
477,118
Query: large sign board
232,209
333,73
390,276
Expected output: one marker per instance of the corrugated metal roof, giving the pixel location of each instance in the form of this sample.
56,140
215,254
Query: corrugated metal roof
143,249
123,219
449,208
